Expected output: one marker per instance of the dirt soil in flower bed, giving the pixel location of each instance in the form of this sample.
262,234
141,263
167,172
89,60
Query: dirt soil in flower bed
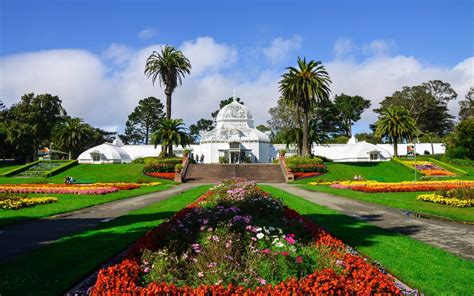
236,239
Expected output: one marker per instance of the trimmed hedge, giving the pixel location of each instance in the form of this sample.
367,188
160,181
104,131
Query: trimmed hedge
60,169
165,165
20,169
305,164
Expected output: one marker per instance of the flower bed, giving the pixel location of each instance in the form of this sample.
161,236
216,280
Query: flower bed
373,186
169,176
459,197
93,189
427,168
303,175
9,201
236,239
455,202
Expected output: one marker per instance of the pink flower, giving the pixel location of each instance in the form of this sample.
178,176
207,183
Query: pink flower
262,281
200,274
146,270
285,253
266,251
299,260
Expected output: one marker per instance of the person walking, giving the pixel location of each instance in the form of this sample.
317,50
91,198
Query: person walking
196,158
202,158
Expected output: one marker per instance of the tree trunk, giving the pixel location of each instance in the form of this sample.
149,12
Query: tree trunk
298,124
170,149
70,154
146,134
432,147
349,128
168,92
395,147
305,134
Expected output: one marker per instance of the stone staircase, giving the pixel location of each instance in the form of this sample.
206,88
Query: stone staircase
214,173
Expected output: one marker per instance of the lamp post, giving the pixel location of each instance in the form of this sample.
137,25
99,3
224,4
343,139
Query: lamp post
51,156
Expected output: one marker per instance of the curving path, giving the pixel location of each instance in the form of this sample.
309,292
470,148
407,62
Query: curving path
453,237
20,238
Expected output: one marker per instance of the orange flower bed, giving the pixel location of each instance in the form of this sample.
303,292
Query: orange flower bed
302,175
354,275
169,176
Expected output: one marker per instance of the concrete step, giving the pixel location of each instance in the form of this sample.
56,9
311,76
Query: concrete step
213,173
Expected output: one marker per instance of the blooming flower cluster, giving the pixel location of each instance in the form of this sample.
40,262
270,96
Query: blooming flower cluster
162,175
455,202
427,168
373,186
240,241
15,202
92,189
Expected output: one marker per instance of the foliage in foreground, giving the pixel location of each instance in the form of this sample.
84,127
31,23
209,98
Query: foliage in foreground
237,239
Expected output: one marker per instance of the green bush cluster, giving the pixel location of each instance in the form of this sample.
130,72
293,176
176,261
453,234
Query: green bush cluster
161,165
307,164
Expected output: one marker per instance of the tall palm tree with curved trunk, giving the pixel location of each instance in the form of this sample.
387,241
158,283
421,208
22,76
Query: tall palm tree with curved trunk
70,133
304,85
169,66
169,132
397,123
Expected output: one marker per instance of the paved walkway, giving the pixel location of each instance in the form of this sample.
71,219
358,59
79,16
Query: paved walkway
453,237
21,238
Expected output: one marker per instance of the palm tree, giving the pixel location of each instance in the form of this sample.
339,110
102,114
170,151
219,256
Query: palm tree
169,132
169,66
396,123
70,133
302,87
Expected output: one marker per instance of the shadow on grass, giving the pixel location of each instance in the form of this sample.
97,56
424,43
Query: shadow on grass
55,268
355,232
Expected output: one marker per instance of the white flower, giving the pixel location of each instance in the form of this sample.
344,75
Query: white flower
260,235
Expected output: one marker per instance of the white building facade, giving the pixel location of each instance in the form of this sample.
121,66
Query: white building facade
236,140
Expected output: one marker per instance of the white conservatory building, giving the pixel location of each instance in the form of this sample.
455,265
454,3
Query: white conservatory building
236,140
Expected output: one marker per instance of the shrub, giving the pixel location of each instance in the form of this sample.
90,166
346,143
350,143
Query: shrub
178,167
223,159
138,160
305,164
165,165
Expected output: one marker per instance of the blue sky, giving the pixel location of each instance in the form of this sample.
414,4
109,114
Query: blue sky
255,39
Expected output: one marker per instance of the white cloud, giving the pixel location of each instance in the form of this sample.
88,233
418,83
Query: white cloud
379,47
206,55
104,95
147,34
280,48
343,47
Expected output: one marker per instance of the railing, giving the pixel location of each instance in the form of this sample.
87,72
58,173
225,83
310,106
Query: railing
289,176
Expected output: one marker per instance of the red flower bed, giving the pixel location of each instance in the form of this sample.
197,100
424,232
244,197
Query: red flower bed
169,176
302,175
354,276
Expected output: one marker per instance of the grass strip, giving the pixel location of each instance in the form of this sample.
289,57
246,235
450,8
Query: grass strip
70,202
91,173
400,200
422,266
55,268
385,171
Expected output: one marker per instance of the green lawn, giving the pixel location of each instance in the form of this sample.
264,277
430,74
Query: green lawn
401,200
68,203
8,167
53,269
426,268
94,173
387,171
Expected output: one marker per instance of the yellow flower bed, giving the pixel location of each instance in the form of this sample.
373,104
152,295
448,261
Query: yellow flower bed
16,203
455,202
468,183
